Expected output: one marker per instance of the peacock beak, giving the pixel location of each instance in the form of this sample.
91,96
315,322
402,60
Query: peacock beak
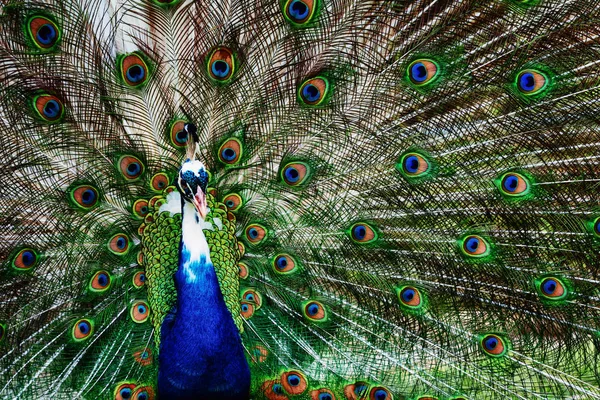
200,202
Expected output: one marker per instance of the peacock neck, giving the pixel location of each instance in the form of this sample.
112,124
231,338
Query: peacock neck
201,354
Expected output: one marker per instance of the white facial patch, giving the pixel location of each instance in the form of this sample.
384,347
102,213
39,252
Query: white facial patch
192,165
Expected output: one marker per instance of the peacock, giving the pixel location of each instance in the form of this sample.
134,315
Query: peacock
299,199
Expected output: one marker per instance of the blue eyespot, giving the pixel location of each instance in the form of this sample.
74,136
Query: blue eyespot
408,294
311,93
293,380
418,72
325,396
253,233
142,396
228,154
88,197
46,34
134,168
245,307
312,309
28,258
103,279
277,389
549,286
136,73
472,244
181,137
292,175
490,343
510,183
527,82
359,232
380,394
121,243
298,10
84,328
142,309
411,164
360,389
125,393
282,263
52,109
142,277
249,297
220,69
144,355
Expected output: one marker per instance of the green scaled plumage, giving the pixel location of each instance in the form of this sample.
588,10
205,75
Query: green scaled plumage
402,195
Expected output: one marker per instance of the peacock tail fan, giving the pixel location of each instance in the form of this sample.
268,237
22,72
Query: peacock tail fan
402,195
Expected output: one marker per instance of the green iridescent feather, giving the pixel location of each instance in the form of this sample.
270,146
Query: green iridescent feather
421,223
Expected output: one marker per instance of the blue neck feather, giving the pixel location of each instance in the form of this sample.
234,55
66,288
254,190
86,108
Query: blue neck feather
201,354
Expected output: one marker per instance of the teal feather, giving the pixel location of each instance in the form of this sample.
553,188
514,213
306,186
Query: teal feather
401,195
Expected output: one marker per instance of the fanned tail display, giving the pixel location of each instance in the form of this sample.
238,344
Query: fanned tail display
299,199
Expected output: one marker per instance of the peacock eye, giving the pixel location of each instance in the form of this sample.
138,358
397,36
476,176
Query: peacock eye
295,173
44,32
475,246
410,296
25,259
100,282
230,151
233,202
140,208
84,196
119,244
134,70
314,91
177,133
255,233
421,72
362,233
294,382
139,312
139,279
82,329
242,270
493,345
552,288
131,167
531,82
300,12
221,65
247,310
124,391
314,311
284,263
143,356
514,184
413,165
159,182
48,107
379,393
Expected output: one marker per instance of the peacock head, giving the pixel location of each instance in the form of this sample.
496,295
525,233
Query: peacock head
193,177
192,182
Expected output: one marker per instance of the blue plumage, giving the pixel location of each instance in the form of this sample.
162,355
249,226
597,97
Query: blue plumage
201,355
